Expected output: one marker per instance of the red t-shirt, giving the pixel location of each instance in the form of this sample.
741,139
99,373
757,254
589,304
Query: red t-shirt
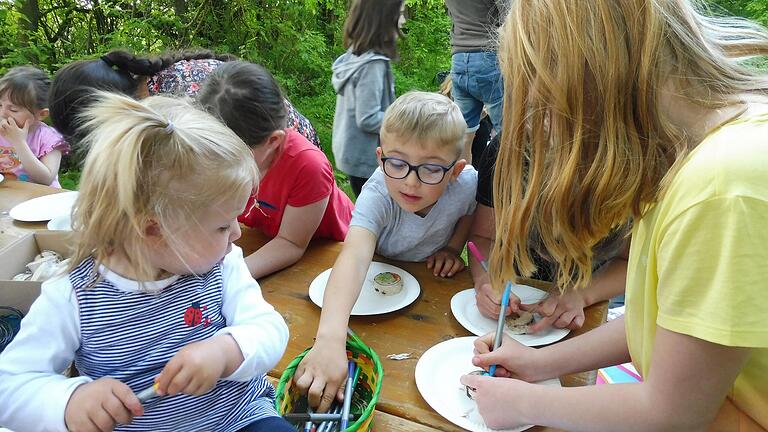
301,176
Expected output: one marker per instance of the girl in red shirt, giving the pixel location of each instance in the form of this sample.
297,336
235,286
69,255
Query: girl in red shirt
297,198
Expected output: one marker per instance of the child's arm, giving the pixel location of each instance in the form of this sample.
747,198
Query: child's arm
482,233
686,384
34,395
296,230
567,310
447,261
43,170
323,369
252,343
368,92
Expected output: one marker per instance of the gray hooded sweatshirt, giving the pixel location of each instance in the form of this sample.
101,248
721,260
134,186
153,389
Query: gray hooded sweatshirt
364,88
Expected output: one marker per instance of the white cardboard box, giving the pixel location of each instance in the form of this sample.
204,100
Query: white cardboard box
14,258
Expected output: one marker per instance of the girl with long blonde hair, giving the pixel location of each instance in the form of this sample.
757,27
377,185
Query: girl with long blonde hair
155,294
638,111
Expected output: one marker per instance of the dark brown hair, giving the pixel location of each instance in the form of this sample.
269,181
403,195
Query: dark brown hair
371,25
117,71
246,97
148,66
27,87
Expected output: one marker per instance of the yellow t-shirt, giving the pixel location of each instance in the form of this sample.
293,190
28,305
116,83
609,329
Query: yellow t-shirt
698,262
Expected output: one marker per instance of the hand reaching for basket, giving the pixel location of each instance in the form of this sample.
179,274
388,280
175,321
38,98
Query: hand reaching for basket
322,373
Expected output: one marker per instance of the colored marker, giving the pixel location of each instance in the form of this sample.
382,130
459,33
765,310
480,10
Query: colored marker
316,417
147,394
478,256
351,366
500,325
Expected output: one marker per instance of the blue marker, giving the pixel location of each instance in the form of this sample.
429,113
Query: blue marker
500,325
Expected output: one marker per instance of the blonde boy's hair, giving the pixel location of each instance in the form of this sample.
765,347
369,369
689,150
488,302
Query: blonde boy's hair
159,160
429,118
585,83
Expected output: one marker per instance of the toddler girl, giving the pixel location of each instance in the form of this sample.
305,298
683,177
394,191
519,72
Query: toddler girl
155,293
29,149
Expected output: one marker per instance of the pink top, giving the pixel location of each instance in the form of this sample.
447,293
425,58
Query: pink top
42,140
301,176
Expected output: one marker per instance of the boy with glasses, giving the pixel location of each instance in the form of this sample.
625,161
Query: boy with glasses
416,206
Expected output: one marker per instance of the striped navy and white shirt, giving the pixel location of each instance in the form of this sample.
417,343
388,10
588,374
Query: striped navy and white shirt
119,329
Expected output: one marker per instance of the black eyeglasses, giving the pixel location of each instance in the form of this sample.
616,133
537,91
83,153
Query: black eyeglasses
428,173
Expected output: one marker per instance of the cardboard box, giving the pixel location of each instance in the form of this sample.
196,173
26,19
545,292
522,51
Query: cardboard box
17,255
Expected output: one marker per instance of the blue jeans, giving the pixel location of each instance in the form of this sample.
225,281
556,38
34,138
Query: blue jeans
477,82
269,424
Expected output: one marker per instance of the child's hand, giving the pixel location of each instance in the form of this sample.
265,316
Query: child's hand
194,370
489,301
101,405
512,359
563,311
321,374
446,262
13,133
497,400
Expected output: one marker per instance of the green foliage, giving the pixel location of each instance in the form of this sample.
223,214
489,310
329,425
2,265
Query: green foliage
297,40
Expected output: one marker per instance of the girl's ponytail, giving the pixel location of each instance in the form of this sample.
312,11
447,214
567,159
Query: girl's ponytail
149,66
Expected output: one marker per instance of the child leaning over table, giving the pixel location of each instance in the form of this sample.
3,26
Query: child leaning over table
416,206
155,292
29,149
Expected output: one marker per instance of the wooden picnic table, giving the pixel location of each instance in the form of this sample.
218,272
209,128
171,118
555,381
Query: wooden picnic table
414,329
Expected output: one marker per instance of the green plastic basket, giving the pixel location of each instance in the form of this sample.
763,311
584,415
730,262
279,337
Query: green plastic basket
366,392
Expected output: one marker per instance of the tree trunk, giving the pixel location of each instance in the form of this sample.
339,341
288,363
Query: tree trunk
29,20
180,7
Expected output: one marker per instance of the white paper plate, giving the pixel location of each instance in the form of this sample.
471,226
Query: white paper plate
1,178
464,308
45,207
370,302
437,378
61,223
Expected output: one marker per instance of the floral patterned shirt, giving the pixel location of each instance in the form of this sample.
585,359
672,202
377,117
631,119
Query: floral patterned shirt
185,76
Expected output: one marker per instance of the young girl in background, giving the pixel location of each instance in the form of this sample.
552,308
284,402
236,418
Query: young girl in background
641,110
29,149
364,85
297,198
171,74
155,292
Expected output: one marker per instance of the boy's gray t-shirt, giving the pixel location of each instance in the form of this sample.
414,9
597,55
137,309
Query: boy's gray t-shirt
406,236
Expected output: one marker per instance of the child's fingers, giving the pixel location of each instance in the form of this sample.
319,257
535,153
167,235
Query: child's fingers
116,409
316,395
430,261
484,343
303,379
128,400
180,382
438,265
577,323
102,420
458,265
546,322
485,304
